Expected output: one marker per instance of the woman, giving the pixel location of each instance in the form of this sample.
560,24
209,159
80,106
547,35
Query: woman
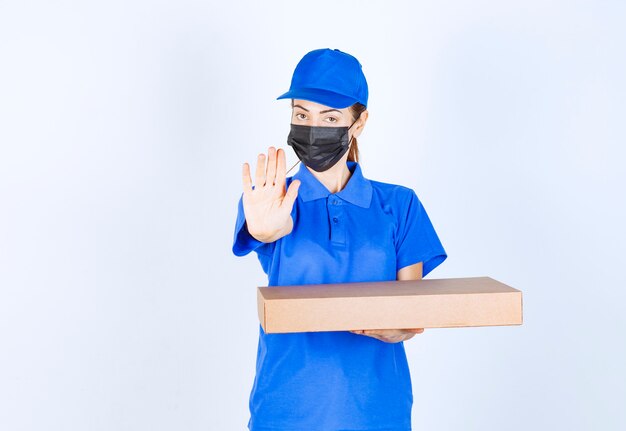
330,224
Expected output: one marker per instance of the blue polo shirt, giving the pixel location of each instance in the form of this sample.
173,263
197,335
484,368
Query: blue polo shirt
331,381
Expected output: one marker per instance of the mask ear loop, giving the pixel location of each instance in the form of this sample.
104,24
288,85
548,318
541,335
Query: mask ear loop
292,167
352,138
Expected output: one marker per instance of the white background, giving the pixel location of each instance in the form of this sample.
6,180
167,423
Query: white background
123,127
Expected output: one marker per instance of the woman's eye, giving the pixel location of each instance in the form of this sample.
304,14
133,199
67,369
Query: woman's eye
298,116
334,120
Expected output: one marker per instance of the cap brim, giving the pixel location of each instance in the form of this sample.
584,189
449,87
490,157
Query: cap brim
323,97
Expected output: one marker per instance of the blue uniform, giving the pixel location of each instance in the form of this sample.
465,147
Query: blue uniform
331,381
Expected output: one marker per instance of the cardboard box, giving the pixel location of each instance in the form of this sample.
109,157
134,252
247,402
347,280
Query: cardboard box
427,303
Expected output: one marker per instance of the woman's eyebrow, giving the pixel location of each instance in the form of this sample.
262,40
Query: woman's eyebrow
321,112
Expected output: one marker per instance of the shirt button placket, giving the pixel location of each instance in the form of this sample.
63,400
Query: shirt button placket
335,212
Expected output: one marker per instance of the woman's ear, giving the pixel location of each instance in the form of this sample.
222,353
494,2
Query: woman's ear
360,124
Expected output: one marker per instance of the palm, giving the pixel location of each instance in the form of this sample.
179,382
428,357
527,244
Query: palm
268,205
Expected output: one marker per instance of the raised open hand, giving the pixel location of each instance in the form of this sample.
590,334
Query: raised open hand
268,205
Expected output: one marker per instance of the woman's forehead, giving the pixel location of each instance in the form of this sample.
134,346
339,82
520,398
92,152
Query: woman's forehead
308,105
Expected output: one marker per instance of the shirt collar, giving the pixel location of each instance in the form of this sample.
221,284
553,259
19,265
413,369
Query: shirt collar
357,191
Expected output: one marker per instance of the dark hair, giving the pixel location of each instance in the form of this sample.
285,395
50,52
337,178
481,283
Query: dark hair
355,110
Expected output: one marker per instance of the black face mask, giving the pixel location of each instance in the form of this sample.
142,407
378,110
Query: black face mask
319,147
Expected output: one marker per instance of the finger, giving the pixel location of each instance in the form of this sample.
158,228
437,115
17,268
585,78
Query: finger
371,332
247,181
385,332
281,166
399,338
292,194
271,166
377,335
259,178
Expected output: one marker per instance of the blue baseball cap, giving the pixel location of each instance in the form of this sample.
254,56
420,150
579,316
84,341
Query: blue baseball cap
329,77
